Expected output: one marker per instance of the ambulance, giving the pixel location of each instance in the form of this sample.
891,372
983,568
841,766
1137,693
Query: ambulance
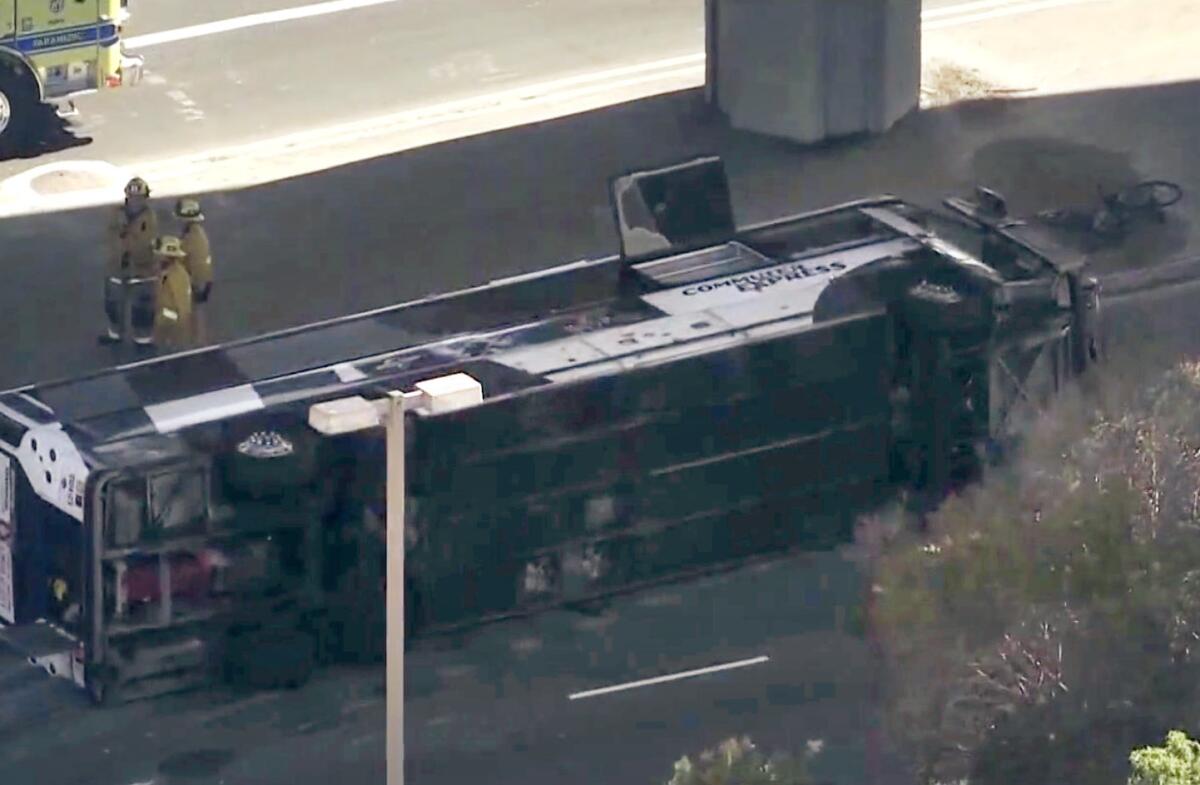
54,50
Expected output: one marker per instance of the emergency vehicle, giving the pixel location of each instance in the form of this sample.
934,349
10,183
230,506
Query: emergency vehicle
706,395
54,50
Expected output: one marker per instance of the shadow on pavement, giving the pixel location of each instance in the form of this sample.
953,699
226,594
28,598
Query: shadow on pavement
54,135
460,213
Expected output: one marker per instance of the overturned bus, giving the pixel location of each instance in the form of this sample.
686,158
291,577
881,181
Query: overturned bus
708,394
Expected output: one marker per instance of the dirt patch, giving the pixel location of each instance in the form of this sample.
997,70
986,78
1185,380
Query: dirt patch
62,182
944,82
1040,173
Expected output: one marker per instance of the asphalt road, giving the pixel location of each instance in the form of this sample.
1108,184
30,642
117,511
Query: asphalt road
246,85
493,706
270,80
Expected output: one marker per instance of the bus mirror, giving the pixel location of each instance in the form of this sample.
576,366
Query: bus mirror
679,207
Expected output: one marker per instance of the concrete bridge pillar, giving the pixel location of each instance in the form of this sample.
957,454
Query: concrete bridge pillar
810,70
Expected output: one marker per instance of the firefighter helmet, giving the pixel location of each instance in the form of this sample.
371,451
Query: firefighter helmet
137,187
188,209
169,247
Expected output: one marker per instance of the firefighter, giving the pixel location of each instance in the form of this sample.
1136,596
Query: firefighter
173,322
132,273
195,245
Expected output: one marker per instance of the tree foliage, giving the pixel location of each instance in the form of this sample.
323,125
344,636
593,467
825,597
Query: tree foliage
1175,763
1056,605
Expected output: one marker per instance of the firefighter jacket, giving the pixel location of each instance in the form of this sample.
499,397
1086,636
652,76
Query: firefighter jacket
173,318
132,244
199,258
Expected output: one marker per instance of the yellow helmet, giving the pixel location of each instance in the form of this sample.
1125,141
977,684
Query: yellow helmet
137,187
188,209
169,247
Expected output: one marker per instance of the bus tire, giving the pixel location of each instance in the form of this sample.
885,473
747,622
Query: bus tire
18,107
267,477
99,686
940,309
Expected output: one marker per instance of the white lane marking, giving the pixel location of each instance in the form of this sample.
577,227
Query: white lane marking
147,40
967,8
1007,10
670,677
451,110
186,106
251,20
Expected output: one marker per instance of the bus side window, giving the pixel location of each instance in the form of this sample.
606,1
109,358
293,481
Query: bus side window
126,511
178,501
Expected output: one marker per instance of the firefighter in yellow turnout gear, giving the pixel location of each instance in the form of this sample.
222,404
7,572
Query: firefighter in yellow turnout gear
132,274
195,244
174,324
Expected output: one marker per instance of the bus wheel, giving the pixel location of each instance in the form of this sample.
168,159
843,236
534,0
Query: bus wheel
98,687
18,104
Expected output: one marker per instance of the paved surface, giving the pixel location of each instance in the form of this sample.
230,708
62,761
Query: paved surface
493,707
243,85
239,87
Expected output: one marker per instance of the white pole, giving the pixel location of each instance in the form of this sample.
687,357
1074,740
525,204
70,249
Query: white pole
395,589
710,51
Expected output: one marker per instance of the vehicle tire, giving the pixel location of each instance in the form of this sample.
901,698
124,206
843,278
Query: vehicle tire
1155,194
1108,225
266,476
940,308
99,686
18,108
270,658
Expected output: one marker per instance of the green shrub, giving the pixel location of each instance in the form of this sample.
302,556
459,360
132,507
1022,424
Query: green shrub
1058,600
1176,763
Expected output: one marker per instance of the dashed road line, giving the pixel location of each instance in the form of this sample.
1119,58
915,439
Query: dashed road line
669,678
185,106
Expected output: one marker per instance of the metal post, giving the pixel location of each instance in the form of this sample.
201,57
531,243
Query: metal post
395,589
